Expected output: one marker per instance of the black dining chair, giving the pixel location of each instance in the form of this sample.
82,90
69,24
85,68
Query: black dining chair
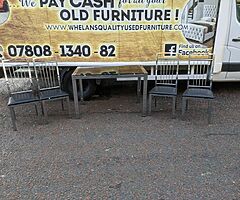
199,85
166,80
21,90
48,81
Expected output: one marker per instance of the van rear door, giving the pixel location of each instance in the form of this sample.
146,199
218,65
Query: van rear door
233,65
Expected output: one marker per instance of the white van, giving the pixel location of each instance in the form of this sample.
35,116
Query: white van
227,42
122,32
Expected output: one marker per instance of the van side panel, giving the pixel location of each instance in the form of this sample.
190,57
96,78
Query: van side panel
106,31
221,42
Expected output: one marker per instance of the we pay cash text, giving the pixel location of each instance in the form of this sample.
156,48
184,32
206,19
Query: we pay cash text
96,3
100,11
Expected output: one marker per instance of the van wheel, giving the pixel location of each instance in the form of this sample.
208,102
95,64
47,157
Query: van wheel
89,86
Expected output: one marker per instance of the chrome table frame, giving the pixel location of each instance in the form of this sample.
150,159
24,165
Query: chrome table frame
139,76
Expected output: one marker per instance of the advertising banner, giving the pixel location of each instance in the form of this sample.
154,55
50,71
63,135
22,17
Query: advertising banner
106,30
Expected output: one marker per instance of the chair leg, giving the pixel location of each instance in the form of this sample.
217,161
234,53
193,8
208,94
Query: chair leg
184,105
150,104
174,107
138,89
155,102
36,109
44,109
209,111
68,105
13,117
14,114
187,104
62,101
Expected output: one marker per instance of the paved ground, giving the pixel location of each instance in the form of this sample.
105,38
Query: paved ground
114,153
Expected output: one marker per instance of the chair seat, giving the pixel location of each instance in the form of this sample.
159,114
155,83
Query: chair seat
198,93
22,98
52,94
163,90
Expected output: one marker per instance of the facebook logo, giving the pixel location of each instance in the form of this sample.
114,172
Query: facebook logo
170,49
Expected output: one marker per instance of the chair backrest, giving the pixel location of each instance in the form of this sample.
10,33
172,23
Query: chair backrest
200,70
18,76
166,70
47,74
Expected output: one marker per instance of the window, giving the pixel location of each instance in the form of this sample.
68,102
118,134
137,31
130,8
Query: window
238,9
